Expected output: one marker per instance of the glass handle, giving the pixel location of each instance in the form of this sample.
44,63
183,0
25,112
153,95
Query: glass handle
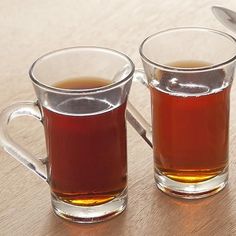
21,109
134,117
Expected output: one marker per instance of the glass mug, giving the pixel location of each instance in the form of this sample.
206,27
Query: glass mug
85,132
189,72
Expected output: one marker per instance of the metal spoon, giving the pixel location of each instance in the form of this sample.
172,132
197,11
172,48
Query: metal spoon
225,16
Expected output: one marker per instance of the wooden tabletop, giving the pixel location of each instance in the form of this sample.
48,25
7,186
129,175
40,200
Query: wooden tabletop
31,28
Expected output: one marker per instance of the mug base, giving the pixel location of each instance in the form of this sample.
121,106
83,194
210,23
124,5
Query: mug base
91,214
191,190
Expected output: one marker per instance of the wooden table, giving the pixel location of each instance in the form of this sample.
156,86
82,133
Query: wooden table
30,28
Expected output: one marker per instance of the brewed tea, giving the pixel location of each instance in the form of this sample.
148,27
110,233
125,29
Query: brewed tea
87,152
190,123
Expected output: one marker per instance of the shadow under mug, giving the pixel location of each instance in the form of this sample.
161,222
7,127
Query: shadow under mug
189,72
85,131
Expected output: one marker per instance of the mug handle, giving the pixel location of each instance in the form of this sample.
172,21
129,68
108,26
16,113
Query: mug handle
134,117
16,110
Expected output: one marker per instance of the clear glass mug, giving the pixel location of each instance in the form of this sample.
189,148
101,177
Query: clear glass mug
85,130
189,72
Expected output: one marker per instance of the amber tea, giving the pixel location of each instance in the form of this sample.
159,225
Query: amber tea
85,130
190,123
87,152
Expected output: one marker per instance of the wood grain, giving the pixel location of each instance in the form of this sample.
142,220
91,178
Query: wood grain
31,28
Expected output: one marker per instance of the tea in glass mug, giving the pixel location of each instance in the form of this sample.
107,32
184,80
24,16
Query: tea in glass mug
81,101
189,73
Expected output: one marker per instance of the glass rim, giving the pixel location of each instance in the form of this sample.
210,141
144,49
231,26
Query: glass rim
79,91
178,69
